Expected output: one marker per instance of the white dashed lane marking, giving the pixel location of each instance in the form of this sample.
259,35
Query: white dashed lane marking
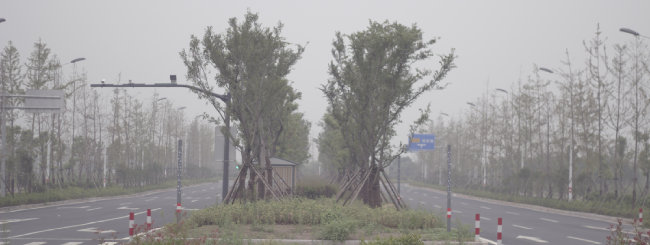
582,239
485,218
72,243
484,207
35,243
437,206
463,203
549,220
522,227
513,213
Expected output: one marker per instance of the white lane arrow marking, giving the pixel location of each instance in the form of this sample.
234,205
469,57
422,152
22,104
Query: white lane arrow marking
582,239
7,221
488,241
127,208
534,239
95,230
549,220
82,207
522,227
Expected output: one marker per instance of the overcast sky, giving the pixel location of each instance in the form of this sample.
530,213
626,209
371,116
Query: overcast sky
497,42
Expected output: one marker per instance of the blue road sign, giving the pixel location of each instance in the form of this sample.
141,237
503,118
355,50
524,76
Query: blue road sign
422,142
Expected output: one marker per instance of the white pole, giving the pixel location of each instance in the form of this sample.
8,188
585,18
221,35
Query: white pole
571,173
104,178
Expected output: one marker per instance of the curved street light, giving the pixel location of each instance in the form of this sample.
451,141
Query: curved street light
502,90
77,60
2,20
444,114
632,32
546,69
471,104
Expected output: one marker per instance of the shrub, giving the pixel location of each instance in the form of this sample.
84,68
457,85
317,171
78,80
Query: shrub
406,239
337,230
315,188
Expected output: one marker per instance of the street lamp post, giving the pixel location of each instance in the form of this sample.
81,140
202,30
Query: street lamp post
483,156
74,98
570,189
636,99
443,158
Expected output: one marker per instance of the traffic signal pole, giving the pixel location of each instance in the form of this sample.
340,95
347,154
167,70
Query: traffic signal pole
225,98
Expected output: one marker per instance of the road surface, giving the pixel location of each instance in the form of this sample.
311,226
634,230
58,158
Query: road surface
522,224
102,221
106,220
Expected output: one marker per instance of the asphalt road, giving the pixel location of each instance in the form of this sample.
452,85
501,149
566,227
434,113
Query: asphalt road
104,221
522,224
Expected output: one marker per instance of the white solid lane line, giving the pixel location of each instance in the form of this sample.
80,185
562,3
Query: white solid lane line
582,239
74,226
7,221
72,243
549,220
513,213
35,243
82,207
534,239
522,227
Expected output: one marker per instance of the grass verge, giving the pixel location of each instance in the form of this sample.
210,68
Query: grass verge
298,218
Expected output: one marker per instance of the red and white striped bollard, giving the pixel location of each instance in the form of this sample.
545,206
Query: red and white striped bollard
477,228
178,207
640,216
499,229
148,219
448,213
131,224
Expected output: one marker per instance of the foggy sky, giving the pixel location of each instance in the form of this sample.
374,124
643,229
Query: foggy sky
497,42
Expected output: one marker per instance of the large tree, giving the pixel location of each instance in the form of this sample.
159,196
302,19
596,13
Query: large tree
250,62
374,77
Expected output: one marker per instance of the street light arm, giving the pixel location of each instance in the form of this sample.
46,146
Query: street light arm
632,32
224,98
